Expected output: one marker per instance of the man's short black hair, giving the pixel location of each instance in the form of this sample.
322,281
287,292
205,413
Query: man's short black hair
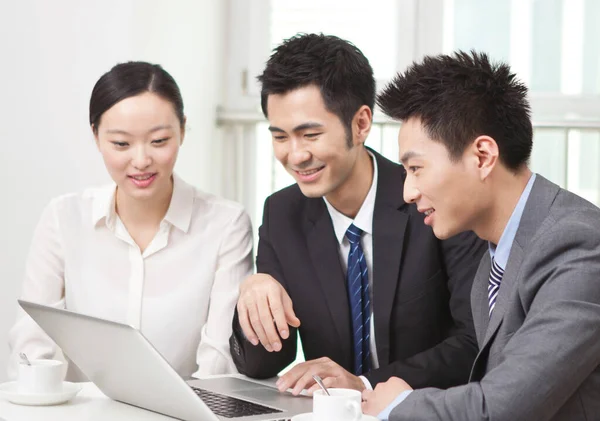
460,97
339,69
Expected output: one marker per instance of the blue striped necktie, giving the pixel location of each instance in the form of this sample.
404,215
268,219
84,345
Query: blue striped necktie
495,279
360,301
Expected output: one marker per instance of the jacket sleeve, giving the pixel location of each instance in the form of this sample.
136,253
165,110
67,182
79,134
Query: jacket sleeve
549,357
448,363
44,284
234,265
256,361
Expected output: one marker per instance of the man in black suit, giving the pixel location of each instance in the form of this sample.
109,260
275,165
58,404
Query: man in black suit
341,256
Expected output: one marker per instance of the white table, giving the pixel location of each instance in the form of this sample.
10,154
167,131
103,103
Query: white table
89,405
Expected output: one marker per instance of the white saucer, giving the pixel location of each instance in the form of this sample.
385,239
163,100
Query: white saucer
9,392
309,416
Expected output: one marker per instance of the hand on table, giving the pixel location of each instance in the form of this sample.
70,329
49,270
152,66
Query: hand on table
375,401
332,374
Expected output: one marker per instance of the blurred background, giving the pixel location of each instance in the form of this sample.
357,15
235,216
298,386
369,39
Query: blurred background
52,53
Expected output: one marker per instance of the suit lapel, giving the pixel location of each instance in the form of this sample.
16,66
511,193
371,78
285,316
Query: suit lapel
536,209
389,226
479,300
480,309
324,253
507,285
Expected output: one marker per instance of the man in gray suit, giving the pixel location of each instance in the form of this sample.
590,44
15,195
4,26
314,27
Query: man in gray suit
465,141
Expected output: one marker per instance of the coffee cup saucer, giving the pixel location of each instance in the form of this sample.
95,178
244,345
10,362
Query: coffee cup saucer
9,392
308,416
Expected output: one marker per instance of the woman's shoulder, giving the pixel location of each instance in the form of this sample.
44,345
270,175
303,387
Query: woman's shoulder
222,213
203,198
82,201
203,201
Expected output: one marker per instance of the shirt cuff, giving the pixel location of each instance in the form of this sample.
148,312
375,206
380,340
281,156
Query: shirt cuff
385,414
366,382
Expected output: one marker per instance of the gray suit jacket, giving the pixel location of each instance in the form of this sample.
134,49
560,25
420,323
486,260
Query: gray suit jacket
540,351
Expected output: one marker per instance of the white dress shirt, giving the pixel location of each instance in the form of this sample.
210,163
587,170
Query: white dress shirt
180,291
364,221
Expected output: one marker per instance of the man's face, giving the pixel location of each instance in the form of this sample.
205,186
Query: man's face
311,142
446,192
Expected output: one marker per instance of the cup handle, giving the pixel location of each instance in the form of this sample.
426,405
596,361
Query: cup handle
356,409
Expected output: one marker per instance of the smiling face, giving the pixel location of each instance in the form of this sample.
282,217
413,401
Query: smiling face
311,143
450,194
139,139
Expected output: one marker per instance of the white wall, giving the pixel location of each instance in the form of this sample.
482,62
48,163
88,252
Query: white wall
51,54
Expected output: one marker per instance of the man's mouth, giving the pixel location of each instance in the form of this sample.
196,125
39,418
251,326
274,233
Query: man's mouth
307,173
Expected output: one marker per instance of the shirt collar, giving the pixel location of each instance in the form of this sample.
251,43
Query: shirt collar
501,252
179,213
364,217
103,207
180,209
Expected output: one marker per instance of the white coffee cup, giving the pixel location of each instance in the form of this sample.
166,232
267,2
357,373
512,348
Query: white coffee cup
41,377
342,405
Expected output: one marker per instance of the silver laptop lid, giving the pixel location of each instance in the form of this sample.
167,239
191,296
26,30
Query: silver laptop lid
121,362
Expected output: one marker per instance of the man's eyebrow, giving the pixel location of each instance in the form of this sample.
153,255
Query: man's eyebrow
408,155
299,128
309,125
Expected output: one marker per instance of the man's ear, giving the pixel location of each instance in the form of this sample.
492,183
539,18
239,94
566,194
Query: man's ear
487,155
361,124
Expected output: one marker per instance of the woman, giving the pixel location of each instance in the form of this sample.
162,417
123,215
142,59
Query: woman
150,250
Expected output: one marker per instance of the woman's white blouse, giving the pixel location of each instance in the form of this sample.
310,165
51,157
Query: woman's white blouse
180,292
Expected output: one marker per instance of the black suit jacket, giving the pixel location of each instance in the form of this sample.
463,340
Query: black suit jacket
421,289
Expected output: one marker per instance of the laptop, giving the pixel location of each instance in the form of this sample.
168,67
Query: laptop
127,368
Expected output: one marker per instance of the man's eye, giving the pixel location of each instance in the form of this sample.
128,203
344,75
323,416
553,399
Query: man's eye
312,135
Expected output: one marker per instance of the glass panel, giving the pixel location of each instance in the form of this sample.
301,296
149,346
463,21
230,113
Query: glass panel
389,146
482,25
551,44
591,56
548,154
545,57
372,28
584,152
374,140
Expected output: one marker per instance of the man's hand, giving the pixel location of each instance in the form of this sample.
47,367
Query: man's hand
332,374
265,311
375,401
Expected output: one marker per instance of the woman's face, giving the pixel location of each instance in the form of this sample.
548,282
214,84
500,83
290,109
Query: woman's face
139,138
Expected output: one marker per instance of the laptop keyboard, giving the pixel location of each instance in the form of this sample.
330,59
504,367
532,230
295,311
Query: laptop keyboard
228,407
